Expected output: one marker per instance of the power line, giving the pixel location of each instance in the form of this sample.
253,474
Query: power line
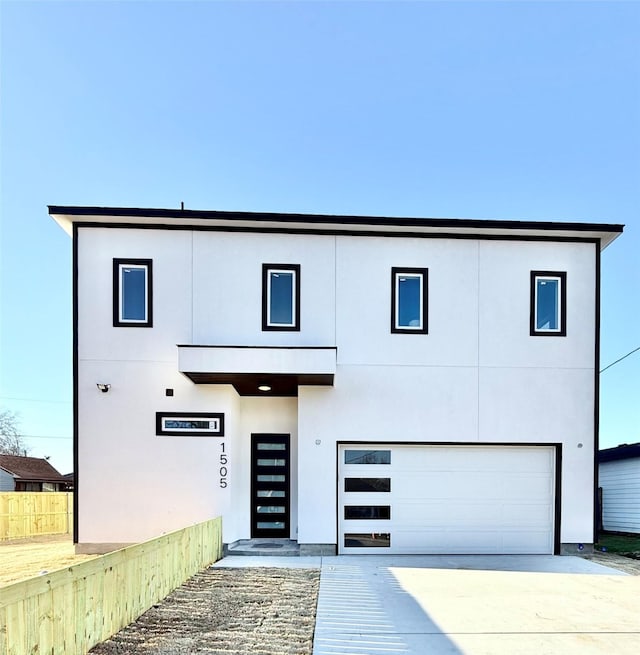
36,400
635,350
43,436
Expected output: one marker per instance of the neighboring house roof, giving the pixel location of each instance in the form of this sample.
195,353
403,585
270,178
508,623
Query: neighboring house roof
624,451
332,224
34,469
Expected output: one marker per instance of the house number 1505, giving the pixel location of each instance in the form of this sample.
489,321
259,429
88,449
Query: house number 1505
223,467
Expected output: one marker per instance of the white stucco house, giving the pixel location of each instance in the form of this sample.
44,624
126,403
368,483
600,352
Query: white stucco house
357,384
620,483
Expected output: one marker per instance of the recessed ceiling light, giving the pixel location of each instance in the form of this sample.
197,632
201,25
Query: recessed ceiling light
264,387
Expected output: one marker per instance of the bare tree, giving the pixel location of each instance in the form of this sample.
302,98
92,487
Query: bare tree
11,441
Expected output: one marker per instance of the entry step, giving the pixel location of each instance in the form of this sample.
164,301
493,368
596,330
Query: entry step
265,547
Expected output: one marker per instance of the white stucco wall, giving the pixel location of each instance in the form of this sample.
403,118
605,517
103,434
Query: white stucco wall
478,376
262,415
227,287
133,484
171,252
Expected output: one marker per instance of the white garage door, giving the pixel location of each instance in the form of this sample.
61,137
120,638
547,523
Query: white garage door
446,499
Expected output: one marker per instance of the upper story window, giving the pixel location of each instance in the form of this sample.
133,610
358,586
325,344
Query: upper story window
132,290
281,297
409,300
548,303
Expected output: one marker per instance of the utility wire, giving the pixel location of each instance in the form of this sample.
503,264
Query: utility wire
37,400
635,350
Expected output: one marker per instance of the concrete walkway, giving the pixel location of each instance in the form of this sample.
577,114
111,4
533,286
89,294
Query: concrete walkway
471,605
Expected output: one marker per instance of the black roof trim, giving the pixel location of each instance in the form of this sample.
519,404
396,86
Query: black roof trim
195,345
624,451
328,218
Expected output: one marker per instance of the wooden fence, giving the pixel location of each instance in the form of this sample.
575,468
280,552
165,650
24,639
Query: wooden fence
31,513
69,611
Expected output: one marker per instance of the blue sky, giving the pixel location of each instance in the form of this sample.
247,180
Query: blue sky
507,110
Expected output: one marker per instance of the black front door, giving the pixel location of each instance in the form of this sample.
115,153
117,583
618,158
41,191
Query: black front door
270,468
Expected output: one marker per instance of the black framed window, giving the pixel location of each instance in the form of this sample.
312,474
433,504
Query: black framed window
281,297
132,293
548,313
409,300
190,424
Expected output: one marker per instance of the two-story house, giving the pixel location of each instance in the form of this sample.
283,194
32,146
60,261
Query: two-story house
358,384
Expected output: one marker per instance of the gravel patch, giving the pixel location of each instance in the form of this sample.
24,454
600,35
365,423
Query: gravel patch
627,564
262,611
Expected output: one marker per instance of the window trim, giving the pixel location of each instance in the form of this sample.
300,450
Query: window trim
396,272
118,265
267,269
562,329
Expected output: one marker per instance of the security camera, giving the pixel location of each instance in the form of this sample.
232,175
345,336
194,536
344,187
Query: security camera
103,387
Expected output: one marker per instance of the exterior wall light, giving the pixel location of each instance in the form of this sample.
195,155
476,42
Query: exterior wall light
103,387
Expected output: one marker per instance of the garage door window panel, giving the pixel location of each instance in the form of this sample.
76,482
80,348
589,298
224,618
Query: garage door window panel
368,485
367,457
367,512
367,540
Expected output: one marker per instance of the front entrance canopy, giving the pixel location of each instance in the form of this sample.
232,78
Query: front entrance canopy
279,370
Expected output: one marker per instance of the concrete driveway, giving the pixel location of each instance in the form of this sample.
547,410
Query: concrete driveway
476,605
471,605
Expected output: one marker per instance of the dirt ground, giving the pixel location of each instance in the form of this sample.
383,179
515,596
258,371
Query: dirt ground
24,558
626,564
262,611
219,611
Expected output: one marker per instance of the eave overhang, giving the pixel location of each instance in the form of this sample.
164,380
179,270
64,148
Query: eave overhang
281,368
624,451
67,216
